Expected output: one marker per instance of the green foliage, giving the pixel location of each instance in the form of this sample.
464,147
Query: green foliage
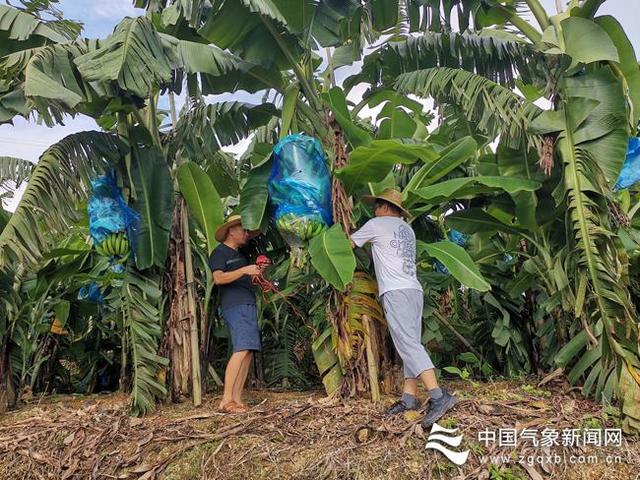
254,199
327,361
14,170
155,201
584,136
506,473
496,109
50,74
628,62
451,157
286,343
475,220
133,57
30,314
45,79
585,41
59,181
459,263
469,187
494,55
332,257
20,30
373,162
337,103
205,128
136,304
202,199
549,260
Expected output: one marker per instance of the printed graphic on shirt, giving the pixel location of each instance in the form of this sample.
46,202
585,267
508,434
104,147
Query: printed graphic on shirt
405,245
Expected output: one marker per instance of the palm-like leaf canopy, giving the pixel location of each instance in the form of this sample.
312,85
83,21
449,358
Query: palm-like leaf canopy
59,181
497,110
14,170
496,55
20,30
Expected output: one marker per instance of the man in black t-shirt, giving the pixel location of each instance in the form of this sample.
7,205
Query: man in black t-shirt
233,274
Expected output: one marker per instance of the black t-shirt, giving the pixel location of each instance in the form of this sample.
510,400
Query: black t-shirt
240,292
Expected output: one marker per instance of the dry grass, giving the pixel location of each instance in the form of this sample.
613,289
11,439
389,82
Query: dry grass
298,435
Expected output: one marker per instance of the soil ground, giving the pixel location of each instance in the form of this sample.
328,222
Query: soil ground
303,435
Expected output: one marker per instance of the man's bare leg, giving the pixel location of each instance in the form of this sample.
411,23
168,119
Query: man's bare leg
428,377
410,386
241,379
231,375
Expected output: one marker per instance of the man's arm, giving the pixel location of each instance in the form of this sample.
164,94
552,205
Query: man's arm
222,278
366,234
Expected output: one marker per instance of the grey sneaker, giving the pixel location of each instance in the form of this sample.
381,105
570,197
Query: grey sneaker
437,408
400,407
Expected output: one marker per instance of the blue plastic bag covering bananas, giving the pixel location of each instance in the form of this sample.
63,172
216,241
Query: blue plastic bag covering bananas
91,293
456,237
300,188
630,173
113,225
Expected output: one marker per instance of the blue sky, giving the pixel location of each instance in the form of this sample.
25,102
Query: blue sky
99,18
28,140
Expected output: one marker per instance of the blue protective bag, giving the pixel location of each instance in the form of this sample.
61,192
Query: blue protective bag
300,182
630,173
456,237
91,293
109,213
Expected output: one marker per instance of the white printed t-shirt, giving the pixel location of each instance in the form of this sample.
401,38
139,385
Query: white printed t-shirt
394,252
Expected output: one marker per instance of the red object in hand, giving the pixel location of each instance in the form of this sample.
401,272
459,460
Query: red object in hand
266,286
263,260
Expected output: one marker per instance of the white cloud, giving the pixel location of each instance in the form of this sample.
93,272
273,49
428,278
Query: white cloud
115,9
29,140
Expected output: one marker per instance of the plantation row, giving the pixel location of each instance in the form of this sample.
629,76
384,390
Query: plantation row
527,233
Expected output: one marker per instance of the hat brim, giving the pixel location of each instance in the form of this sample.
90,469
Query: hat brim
221,232
369,199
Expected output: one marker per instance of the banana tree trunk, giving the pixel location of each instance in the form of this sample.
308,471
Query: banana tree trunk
180,343
7,392
191,303
363,370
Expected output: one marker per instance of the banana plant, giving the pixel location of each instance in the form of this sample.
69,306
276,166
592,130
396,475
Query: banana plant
451,177
558,52
55,75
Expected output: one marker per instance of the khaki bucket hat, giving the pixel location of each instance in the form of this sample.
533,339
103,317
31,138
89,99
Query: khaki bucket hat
232,220
390,195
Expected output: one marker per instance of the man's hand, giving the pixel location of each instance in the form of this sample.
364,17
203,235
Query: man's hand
353,245
223,278
252,270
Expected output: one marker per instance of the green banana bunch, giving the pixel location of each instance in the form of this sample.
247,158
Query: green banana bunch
301,227
116,244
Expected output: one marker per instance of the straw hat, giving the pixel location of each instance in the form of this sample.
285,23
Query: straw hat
232,220
390,195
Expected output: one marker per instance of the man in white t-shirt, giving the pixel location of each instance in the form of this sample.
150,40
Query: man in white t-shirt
393,246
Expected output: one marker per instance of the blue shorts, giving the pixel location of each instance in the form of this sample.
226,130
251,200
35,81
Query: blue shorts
242,321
